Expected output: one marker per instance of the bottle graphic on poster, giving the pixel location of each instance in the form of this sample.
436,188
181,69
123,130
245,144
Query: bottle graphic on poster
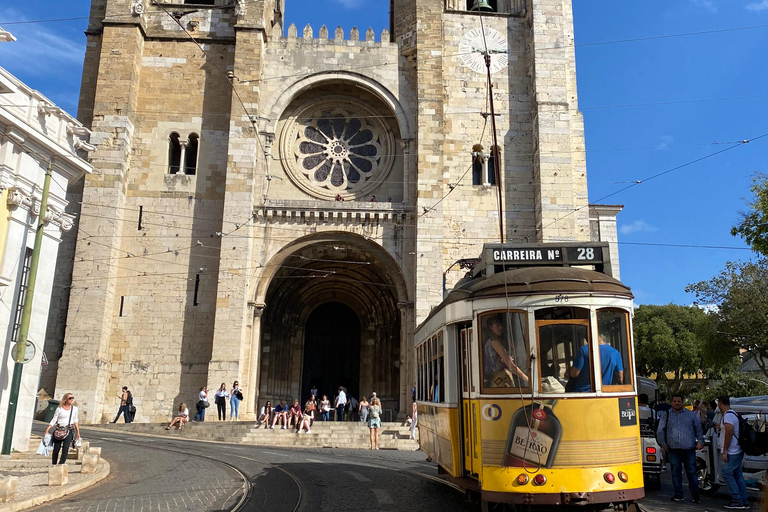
534,435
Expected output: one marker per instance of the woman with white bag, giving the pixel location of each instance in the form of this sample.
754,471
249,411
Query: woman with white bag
65,425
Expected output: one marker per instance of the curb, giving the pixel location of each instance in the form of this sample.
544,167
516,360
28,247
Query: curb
59,493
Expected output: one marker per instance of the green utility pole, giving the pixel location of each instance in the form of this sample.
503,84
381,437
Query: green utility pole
26,314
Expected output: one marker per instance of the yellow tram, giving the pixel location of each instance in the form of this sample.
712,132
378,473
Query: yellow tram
526,390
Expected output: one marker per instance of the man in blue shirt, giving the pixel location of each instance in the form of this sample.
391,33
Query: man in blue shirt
680,435
610,364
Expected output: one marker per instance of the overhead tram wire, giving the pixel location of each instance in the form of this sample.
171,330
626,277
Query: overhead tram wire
654,176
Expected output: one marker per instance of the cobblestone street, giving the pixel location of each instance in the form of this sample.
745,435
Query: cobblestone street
150,473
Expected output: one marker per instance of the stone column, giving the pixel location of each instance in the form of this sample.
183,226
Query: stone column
406,357
252,386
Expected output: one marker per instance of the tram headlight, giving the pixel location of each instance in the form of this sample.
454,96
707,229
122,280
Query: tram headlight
609,478
522,479
539,479
623,477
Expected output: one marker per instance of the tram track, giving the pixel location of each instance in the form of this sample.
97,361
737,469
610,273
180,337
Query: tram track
242,503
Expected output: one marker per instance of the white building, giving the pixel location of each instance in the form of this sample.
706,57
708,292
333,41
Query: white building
33,132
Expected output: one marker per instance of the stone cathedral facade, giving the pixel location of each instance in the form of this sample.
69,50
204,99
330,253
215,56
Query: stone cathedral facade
282,206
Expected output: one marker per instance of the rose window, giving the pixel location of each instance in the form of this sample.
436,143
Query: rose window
338,149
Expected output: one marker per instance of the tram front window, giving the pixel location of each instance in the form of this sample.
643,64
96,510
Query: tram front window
615,354
505,360
564,356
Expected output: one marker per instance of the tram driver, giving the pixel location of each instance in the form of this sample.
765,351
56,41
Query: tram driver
499,368
611,366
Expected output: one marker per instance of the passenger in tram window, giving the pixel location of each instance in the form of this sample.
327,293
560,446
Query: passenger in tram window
611,366
294,414
266,413
281,414
499,368
325,407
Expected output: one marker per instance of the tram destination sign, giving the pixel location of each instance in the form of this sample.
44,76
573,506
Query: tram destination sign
550,255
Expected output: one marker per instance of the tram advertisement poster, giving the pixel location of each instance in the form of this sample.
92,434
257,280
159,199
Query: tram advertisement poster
549,433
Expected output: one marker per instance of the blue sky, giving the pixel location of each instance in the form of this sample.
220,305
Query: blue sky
649,105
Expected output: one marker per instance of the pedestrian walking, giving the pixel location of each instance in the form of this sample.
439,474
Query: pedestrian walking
353,406
126,401
679,434
181,418
236,396
732,455
65,426
202,404
363,410
313,391
221,401
341,404
414,420
325,409
374,422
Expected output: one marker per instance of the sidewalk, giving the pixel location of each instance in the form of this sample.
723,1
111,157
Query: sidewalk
31,470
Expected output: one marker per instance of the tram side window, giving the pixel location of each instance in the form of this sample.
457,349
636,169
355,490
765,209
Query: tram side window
564,356
615,352
435,374
505,359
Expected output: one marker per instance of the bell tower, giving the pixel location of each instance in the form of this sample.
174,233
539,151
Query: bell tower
539,127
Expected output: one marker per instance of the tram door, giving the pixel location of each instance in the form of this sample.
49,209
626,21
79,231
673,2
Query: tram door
468,409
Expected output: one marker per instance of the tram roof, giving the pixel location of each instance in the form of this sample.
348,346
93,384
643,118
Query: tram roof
539,281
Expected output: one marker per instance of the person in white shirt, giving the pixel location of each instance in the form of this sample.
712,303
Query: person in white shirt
341,403
64,417
181,419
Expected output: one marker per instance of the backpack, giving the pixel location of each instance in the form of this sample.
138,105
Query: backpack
747,437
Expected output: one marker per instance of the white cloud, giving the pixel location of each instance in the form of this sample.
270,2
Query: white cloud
757,6
39,50
639,226
666,141
707,5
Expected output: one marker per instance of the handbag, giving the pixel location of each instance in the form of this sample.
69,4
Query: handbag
61,432
238,395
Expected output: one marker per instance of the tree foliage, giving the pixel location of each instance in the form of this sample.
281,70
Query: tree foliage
740,292
673,340
753,226
735,383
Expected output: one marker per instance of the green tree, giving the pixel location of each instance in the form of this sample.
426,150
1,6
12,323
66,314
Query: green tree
735,383
740,293
753,226
672,340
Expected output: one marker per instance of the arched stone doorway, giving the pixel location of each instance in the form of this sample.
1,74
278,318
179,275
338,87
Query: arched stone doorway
316,289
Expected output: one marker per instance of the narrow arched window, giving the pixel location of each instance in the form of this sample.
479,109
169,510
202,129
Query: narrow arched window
492,167
190,156
477,170
174,153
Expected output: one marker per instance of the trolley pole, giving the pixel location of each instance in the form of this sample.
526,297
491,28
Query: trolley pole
26,315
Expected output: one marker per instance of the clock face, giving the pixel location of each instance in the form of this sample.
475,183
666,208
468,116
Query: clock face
472,49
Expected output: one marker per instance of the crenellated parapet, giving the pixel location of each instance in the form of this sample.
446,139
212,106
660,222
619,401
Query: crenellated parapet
323,37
